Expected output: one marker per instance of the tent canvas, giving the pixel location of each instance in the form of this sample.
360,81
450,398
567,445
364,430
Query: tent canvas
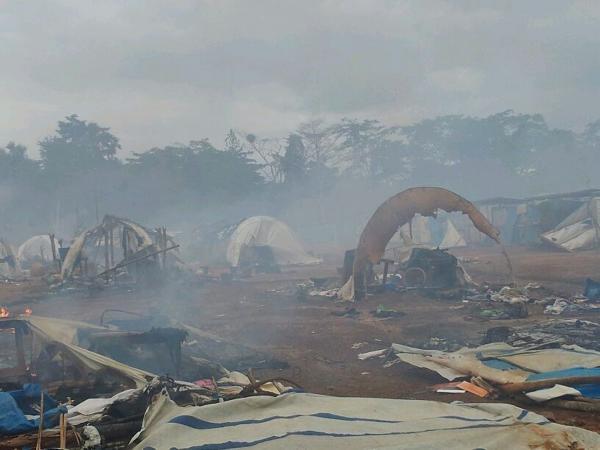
37,248
297,420
580,230
267,231
452,238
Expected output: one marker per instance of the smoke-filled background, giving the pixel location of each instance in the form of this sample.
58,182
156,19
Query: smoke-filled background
194,115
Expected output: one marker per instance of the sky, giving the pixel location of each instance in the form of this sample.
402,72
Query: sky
160,72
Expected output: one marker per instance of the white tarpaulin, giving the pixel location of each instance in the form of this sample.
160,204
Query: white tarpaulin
309,421
267,231
472,361
580,230
452,238
37,248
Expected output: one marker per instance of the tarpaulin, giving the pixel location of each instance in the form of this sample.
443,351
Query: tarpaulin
301,421
17,416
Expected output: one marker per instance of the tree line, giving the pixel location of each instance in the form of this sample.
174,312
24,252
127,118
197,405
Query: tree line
80,173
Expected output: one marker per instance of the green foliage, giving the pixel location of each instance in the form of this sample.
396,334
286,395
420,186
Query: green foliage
197,168
77,146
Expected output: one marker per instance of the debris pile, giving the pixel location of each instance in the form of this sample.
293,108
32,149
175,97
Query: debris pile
538,372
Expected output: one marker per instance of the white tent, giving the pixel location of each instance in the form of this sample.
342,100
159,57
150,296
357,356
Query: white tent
580,230
267,231
37,248
452,238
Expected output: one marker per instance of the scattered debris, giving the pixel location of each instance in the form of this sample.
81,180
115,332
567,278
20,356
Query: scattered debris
591,289
510,370
347,312
384,312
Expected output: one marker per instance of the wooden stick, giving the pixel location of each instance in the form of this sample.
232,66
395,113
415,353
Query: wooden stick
106,256
38,445
63,431
126,263
527,386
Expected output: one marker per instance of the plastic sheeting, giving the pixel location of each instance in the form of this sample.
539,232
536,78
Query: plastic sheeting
299,421
267,231
66,333
498,362
17,417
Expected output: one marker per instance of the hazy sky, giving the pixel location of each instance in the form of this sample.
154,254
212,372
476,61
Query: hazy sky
158,72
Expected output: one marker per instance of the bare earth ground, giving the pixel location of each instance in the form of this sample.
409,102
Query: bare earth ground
263,313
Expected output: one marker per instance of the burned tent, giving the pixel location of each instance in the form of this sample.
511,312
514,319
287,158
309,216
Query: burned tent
51,351
580,230
117,248
263,237
41,249
398,211
9,263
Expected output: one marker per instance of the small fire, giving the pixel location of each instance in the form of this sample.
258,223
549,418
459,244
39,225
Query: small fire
28,311
4,312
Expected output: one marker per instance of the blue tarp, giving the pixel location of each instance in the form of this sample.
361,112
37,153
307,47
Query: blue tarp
15,405
587,390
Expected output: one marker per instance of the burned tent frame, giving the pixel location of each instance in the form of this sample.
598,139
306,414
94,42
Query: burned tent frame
123,244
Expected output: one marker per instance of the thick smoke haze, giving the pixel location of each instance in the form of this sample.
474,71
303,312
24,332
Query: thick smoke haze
194,115
162,72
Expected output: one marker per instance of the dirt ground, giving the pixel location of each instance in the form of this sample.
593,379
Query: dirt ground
264,313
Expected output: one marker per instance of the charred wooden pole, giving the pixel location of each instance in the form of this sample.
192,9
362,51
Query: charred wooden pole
53,247
112,248
106,257
164,245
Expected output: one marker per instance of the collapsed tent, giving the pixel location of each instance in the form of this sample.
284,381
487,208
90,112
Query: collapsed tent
52,340
113,245
397,211
37,249
531,370
9,263
263,232
580,230
297,420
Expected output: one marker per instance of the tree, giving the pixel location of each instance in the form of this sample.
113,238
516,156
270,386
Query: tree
355,143
16,165
78,146
197,170
294,164
233,143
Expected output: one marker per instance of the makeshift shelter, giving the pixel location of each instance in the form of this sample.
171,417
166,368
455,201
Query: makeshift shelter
263,232
580,230
298,420
37,249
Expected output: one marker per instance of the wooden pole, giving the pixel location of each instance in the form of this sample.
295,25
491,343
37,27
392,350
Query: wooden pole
164,245
141,258
106,256
38,445
63,431
112,247
53,247
528,386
